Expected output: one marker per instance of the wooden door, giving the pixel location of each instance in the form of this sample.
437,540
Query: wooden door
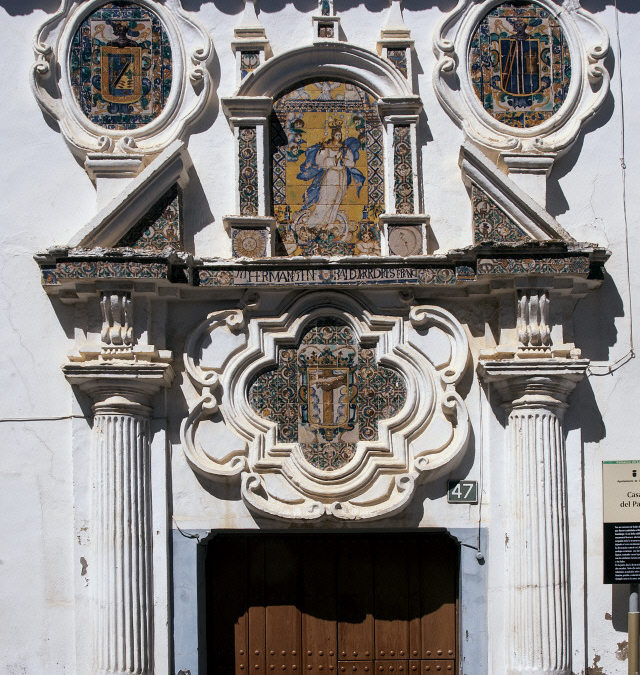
361,603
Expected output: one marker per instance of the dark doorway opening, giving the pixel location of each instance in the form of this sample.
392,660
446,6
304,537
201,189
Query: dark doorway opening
331,603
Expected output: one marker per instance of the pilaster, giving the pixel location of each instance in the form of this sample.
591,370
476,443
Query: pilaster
121,382
535,394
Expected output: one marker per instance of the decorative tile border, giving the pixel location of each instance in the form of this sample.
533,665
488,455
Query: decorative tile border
403,168
566,265
102,269
248,171
490,222
272,276
340,276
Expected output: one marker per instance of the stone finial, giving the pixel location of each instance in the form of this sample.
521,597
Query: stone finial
394,26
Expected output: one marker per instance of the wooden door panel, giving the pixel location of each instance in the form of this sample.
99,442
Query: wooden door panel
433,666
228,624
355,598
391,599
318,605
395,667
282,613
326,603
256,606
355,667
438,597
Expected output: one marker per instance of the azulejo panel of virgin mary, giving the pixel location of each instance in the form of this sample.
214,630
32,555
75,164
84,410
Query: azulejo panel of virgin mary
328,173
520,64
327,393
120,66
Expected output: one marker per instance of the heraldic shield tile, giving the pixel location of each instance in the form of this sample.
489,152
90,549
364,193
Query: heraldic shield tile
120,66
327,165
520,64
327,393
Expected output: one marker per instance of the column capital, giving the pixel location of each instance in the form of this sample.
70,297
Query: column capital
120,387
533,383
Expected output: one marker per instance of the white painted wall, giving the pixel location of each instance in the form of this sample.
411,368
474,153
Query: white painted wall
47,197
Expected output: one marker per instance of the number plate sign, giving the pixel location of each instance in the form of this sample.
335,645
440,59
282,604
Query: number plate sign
462,492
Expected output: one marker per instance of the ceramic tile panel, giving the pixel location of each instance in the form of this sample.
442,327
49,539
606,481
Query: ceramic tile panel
490,222
405,240
520,64
249,242
327,393
327,170
248,171
249,61
161,227
399,59
403,168
120,66
103,269
537,265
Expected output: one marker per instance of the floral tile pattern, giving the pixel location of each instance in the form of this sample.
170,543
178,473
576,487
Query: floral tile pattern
327,393
399,59
120,65
248,175
102,269
490,222
161,227
327,170
249,61
249,242
520,64
542,265
403,168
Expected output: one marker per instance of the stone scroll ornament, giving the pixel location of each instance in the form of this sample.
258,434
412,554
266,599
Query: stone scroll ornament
121,77
327,410
521,76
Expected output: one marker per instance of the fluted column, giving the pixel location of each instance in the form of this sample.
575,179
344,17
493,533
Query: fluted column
535,393
122,535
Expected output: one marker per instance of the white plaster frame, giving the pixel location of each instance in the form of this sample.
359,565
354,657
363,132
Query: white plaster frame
422,441
588,45
191,49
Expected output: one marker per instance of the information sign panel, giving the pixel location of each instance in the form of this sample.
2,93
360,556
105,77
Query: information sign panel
621,516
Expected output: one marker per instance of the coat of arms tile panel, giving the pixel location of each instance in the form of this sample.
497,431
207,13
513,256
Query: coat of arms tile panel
327,393
520,64
328,170
120,66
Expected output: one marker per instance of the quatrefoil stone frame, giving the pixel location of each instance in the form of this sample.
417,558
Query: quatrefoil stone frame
426,438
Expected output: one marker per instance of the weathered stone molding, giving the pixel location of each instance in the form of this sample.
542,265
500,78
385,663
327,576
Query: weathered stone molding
122,393
535,393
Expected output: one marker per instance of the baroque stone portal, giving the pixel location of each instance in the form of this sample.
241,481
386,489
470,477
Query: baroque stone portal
326,410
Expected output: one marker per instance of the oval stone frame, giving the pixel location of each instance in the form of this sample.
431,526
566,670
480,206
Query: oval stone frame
191,48
588,45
